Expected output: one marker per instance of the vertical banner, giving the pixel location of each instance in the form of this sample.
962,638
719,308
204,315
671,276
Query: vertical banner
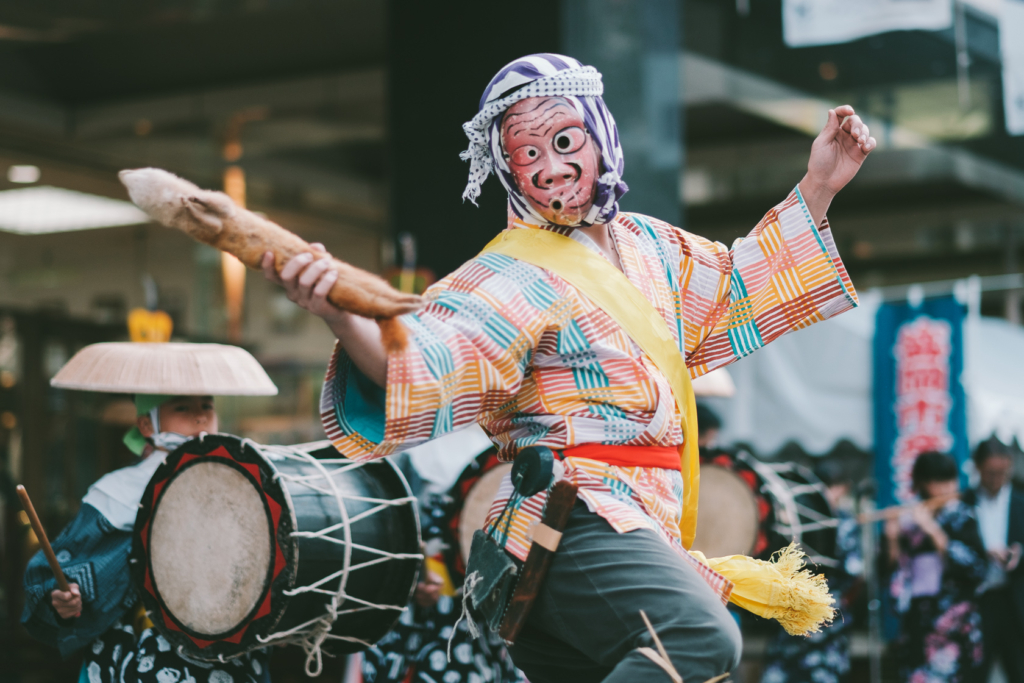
919,399
1011,45
825,22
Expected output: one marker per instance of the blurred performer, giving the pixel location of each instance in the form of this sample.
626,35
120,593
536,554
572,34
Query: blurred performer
518,349
1000,512
407,277
416,650
938,562
102,615
824,657
708,426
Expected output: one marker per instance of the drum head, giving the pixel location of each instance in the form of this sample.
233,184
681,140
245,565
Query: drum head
210,546
471,498
478,504
211,550
727,521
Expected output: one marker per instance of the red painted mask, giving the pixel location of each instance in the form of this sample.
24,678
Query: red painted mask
553,159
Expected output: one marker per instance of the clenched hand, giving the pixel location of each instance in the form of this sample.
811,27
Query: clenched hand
67,603
836,157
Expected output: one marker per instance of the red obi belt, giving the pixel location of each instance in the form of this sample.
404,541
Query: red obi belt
664,457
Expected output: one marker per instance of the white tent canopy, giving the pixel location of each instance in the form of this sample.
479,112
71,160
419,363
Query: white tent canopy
815,387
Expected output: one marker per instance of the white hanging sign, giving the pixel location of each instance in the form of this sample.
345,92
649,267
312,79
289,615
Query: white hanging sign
1011,44
825,22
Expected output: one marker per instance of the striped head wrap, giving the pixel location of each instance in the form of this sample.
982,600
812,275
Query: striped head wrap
544,75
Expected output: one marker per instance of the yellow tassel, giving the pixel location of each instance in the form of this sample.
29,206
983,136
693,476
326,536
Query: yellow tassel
781,589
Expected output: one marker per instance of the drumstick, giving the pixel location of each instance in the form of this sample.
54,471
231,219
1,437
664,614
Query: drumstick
37,526
895,511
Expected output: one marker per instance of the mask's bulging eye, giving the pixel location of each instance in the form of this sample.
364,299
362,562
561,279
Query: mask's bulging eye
525,155
569,140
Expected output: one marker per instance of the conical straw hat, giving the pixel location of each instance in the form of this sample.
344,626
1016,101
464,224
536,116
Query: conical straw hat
165,368
716,383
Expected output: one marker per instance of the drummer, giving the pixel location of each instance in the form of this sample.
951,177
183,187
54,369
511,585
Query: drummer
102,615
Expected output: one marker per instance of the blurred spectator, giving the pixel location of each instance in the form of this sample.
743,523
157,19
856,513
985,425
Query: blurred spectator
938,562
1000,512
416,650
708,426
824,657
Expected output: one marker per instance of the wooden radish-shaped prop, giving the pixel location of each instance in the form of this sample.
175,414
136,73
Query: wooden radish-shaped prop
211,217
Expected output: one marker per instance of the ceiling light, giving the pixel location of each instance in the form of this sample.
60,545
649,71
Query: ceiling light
23,174
45,209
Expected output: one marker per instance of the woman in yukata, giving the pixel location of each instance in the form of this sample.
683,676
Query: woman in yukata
937,561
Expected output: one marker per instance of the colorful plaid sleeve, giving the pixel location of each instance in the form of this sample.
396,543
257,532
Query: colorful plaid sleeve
535,362
470,348
785,275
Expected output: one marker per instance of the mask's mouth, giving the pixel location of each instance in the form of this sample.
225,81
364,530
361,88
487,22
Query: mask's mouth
569,203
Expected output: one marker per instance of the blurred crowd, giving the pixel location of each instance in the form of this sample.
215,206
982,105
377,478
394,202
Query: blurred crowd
954,566
950,564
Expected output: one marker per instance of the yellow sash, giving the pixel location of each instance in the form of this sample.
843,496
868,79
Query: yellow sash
612,292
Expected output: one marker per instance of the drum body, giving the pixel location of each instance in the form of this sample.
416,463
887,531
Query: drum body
734,516
751,507
802,512
237,545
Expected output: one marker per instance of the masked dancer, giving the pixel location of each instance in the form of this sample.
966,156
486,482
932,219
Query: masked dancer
529,356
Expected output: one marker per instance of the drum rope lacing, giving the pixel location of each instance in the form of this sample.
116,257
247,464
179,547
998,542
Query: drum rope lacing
312,634
794,519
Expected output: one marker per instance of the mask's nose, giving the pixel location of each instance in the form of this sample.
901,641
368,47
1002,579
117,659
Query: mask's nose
555,174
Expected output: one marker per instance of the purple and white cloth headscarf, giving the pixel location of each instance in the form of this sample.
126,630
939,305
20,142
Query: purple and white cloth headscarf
544,75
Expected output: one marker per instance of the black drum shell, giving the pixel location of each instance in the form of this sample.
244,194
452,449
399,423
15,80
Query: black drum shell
819,543
393,529
776,487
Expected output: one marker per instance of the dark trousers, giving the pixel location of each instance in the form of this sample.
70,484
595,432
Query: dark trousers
1002,634
586,626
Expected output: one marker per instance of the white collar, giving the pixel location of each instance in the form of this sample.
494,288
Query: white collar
1001,497
117,495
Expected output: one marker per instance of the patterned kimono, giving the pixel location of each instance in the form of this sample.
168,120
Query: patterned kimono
940,633
535,362
416,650
119,657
